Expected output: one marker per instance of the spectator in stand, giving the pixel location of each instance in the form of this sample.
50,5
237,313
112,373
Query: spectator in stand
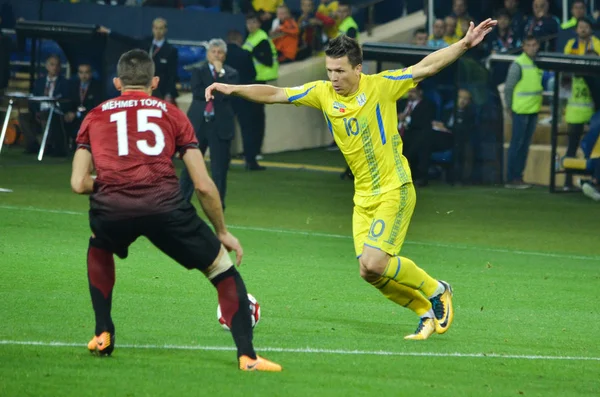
329,9
585,43
454,133
450,30
542,26
311,24
580,106
503,39
578,11
420,37
347,24
463,19
266,9
415,123
436,40
517,18
285,35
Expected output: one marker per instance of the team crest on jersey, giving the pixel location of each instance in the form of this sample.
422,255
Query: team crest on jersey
340,107
361,99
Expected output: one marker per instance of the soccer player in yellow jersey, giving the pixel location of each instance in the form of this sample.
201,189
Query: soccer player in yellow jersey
360,112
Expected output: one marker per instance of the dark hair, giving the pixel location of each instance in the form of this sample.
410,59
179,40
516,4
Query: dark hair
234,35
135,68
587,20
55,56
343,46
577,1
503,13
530,37
419,31
252,15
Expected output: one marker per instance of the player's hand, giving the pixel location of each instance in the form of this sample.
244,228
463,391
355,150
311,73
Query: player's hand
217,87
232,244
475,35
69,117
218,65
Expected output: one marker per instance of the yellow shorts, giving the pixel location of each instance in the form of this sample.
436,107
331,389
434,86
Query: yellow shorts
382,221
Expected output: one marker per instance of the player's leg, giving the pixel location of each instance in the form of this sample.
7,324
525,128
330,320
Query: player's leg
108,237
184,237
391,289
386,236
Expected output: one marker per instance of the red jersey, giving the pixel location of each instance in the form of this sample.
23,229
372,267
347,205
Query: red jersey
132,139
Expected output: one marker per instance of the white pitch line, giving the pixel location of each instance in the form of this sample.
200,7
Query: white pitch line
340,236
310,350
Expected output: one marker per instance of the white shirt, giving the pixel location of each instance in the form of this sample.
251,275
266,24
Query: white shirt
45,105
155,44
212,70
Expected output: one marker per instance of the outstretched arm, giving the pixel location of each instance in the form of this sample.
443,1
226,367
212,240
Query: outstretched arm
260,93
435,62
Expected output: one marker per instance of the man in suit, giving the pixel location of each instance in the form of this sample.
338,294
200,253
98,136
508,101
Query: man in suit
84,95
52,85
241,60
165,57
415,127
213,121
5,48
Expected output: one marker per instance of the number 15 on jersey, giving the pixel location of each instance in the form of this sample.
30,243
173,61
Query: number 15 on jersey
143,125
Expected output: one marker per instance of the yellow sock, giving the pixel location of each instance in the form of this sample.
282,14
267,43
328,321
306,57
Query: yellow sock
407,273
402,295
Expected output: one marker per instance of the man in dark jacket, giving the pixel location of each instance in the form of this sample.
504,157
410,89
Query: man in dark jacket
415,128
85,93
241,60
213,121
165,57
33,123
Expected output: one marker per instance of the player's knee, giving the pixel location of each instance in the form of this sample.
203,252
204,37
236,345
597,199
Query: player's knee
219,266
371,267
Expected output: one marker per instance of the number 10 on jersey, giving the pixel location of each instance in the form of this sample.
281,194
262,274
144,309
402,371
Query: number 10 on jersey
352,127
143,125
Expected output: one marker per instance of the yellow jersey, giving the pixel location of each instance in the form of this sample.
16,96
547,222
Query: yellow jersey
575,47
365,127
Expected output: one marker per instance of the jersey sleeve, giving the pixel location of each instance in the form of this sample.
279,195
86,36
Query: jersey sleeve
308,94
83,135
396,82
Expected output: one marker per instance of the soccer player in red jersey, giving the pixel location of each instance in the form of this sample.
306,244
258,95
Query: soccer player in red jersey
131,141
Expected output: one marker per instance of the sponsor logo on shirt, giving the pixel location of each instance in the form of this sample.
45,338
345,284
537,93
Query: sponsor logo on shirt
340,107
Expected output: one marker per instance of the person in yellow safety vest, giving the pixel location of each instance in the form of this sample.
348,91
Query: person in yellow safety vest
264,57
578,11
523,95
580,107
348,25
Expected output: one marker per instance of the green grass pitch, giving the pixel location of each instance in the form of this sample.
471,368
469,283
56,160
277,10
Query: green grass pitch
525,267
